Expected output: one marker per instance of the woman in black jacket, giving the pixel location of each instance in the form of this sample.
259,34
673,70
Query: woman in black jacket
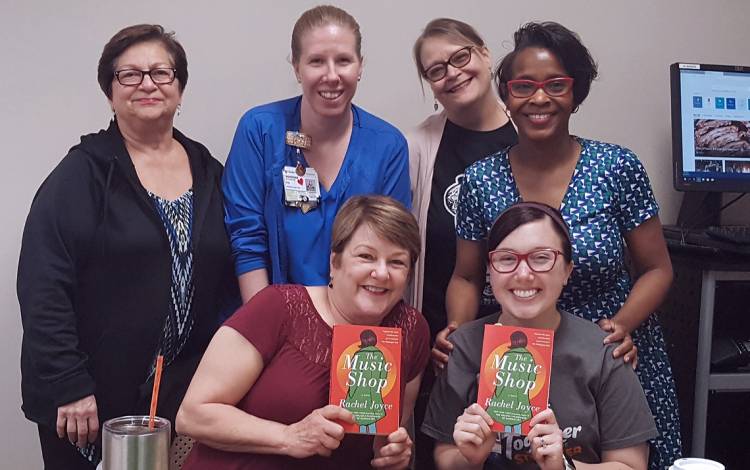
124,257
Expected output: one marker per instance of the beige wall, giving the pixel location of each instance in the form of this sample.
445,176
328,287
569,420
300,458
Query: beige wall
238,51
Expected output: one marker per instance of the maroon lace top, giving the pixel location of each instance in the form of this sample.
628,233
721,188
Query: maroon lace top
295,343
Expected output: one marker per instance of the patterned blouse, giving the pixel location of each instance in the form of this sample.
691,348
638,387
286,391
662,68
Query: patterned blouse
608,195
177,217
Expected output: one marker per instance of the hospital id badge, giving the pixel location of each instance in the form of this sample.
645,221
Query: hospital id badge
301,191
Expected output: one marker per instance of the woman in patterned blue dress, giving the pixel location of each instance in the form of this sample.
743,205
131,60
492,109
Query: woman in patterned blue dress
605,197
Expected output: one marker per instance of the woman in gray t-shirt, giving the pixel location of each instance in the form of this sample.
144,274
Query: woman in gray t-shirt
600,411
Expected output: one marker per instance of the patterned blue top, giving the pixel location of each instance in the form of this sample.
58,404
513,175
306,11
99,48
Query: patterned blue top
177,217
608,195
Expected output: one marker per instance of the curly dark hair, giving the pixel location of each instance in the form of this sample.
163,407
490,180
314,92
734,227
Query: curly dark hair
565,44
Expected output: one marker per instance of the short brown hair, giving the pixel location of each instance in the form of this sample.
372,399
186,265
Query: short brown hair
367,338
518,339
323,15
131,36
522,213
449,28
387,217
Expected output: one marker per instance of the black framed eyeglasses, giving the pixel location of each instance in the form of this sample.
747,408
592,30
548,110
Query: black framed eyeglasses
458,59
541,260
557,86
133,77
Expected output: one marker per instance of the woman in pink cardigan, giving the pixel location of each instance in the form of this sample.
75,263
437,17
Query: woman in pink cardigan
454,61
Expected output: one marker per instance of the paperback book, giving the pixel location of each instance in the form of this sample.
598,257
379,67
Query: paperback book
365,377
514,375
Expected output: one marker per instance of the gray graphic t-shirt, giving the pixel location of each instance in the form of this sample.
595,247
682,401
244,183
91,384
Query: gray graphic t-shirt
597,399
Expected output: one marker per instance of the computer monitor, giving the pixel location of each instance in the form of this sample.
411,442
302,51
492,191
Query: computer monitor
710,127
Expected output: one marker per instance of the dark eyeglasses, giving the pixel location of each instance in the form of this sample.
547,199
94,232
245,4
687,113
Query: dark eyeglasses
553,87
133,77
540,261
458,59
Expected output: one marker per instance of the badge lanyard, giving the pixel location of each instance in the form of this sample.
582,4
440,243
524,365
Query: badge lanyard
301,184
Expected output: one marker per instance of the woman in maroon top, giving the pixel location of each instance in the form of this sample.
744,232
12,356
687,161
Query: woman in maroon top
259,397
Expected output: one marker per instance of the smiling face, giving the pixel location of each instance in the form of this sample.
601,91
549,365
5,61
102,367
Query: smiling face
529,298
328,69
369,277
461,87
540,117
147,101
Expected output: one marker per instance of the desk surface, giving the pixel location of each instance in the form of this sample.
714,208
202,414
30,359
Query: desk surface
704,252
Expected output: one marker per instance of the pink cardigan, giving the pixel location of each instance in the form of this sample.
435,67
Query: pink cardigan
423,142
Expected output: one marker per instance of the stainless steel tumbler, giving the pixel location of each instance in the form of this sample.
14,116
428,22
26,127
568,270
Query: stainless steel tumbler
128,444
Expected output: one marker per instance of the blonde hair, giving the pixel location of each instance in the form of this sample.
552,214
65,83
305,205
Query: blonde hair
459,31
387,217
323,15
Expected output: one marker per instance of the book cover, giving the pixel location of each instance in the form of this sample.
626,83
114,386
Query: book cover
514,376
365,377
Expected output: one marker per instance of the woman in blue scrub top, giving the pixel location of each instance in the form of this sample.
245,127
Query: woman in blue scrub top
278,149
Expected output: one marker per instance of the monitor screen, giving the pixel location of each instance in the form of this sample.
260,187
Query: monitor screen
710,127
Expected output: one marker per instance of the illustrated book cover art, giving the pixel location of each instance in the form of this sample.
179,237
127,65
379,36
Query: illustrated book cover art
515,375
365,377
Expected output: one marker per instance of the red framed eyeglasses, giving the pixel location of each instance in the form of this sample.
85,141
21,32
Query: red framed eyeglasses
557,86
540,260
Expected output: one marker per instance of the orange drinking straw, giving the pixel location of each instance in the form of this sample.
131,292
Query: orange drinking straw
155,391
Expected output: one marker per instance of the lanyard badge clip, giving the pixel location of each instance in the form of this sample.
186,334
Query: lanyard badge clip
301,185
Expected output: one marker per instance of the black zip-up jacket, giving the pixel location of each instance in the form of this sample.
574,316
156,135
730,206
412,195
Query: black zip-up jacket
94,282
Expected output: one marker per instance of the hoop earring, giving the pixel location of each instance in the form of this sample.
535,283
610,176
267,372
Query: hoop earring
507,112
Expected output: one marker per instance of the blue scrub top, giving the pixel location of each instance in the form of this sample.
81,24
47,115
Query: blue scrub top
295,247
